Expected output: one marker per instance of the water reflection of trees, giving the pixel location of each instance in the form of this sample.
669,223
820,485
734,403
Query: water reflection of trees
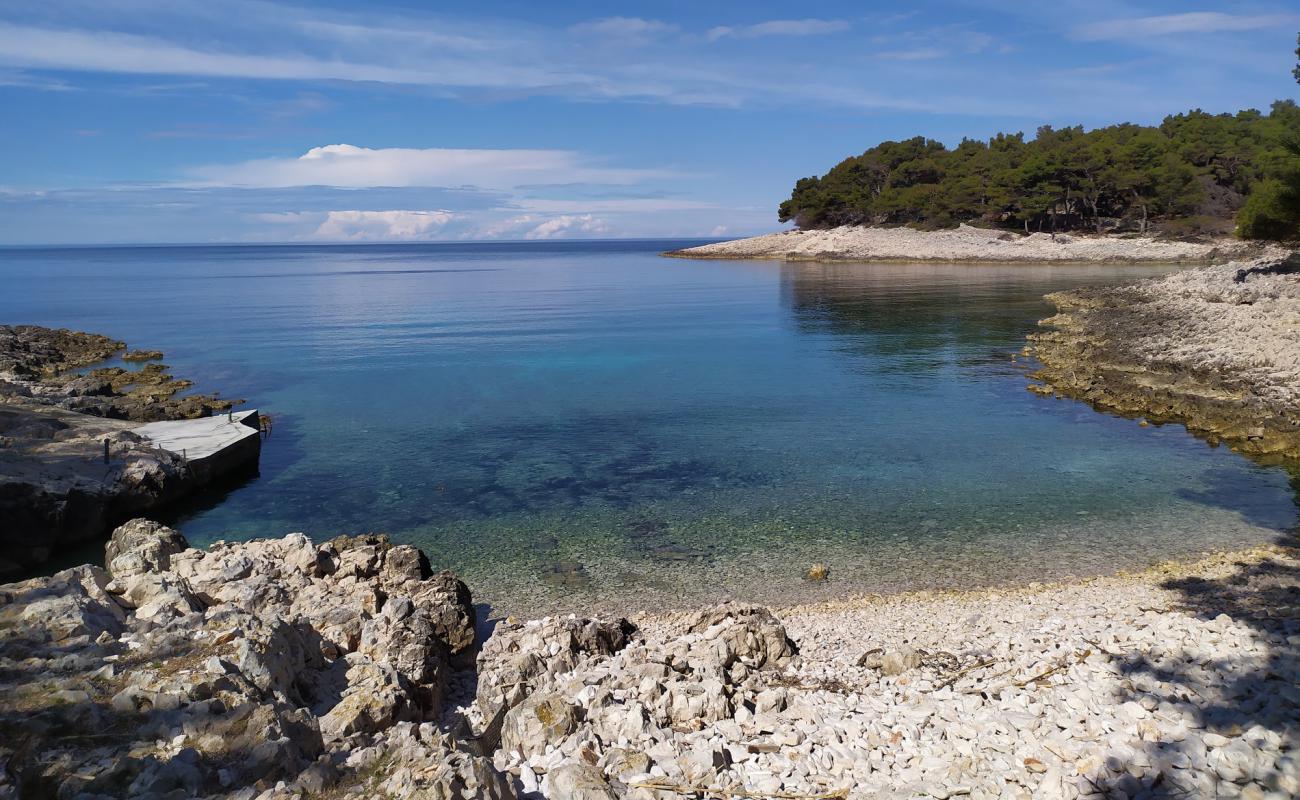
917,317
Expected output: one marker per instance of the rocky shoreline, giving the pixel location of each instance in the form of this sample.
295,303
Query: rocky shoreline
72,464
1216,349
287,669
967,243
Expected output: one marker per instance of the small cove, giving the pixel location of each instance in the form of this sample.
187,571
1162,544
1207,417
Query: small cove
578,425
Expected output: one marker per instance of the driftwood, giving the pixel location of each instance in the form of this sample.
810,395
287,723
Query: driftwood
952,679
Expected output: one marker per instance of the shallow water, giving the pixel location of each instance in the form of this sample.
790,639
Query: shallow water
582,424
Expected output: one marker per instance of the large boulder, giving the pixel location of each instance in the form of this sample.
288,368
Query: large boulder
426,763
67,606
404,637
141,546
521,656
574,780
374,697
750,635
542,719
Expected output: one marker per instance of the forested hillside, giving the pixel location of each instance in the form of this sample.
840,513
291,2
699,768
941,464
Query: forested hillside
1193,172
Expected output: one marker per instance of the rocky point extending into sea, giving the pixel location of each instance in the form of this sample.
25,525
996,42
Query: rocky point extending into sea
73,462
1216,349
968,243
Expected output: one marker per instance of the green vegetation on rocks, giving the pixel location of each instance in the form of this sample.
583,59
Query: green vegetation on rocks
1192,173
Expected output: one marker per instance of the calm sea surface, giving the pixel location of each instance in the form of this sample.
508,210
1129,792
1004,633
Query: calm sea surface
589,424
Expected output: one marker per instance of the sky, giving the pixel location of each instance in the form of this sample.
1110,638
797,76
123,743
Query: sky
157,121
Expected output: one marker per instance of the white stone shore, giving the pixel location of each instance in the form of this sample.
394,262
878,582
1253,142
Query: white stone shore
280,669
966,243
1177,682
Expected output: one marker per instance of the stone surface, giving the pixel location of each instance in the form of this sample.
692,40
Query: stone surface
964,243
284,668
1201,348
239,667
72,460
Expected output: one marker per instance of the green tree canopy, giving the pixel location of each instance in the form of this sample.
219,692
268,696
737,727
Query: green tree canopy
1192,165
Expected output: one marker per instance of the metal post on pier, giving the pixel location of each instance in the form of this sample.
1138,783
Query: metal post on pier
105,451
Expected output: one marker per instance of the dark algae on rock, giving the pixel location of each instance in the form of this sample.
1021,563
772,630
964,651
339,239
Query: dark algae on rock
40,363
1215,349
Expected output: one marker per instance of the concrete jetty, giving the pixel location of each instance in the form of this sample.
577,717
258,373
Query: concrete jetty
212,446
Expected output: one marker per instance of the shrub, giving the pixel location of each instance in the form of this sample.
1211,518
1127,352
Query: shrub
1272,211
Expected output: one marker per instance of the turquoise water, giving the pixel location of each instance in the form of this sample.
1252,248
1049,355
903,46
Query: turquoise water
583,424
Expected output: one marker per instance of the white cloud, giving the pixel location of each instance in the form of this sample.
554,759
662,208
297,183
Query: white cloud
568,225
779,27
616,205
381,226
932,43
106,51
485,60
347,165
27,81
1190,22
917,54
532,226
286,217
623,28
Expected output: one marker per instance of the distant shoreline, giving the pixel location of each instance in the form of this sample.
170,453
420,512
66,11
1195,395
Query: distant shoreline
968,244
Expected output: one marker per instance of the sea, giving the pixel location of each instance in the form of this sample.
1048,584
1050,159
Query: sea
587,425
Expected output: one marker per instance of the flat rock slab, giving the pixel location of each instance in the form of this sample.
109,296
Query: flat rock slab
200,439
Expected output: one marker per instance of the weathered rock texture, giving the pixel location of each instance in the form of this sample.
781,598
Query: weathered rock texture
36,364
278,668
56,486
182,673
1216,349
965,243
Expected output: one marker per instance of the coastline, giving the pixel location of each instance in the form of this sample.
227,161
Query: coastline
1216,349
968,244
80,453
276,668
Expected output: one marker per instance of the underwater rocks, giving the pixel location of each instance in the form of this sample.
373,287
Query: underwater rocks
280,668
1216,349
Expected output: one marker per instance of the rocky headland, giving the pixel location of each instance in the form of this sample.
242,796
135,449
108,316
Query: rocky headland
38,368
72,464
284,668
1216,349
968,243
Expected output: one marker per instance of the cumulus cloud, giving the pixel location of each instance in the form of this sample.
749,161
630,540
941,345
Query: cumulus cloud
569,225
533,226
779,27
359,167
615,205
1190,22
381,226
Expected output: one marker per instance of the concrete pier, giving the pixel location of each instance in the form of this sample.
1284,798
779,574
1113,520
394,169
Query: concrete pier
212,445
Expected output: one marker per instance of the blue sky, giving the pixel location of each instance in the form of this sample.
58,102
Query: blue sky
216,121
